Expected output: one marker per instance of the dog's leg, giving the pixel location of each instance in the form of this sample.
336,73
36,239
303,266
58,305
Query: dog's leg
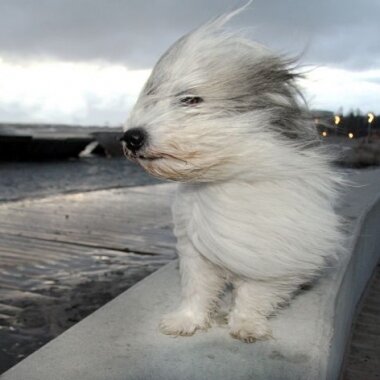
254,302
201,284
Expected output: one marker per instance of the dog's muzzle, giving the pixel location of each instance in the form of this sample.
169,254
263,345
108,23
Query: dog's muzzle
134,139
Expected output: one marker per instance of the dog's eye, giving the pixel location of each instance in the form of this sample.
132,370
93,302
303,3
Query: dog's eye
191,100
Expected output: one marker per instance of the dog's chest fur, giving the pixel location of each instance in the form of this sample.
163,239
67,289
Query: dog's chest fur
263,231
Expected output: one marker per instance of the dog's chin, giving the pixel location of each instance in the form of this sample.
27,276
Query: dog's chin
169,166
172,169
164,168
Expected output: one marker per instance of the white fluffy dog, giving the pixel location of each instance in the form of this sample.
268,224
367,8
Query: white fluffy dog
222,115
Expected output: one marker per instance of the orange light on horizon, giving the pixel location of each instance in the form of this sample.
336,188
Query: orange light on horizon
350,135
371,117
337,119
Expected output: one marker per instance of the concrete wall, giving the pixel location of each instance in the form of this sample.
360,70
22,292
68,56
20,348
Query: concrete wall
352,283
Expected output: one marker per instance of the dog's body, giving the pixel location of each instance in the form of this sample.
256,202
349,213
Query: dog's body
222,115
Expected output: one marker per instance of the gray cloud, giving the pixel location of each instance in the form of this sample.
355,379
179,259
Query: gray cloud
342,33
332,33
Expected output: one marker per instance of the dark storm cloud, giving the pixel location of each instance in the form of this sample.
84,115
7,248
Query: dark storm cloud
342,33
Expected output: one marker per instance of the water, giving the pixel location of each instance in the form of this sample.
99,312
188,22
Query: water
20,180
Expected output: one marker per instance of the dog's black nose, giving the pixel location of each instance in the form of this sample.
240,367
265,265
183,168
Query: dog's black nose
134,138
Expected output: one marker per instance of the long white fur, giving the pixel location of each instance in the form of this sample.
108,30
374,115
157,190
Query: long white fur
255,207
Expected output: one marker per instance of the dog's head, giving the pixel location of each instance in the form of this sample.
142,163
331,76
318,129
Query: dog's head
215,106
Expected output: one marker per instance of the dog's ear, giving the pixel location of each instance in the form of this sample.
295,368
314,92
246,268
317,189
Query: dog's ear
271,77
270,84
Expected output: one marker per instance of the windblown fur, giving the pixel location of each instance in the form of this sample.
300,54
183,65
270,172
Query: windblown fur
224,116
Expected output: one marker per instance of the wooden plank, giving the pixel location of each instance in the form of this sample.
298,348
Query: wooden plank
363,361
133,219
52,237
15,251
89,233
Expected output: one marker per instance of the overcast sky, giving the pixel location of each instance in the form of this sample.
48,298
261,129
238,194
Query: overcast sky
84,61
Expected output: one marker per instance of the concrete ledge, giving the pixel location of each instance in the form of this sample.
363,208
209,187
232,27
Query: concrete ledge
352,279
121,340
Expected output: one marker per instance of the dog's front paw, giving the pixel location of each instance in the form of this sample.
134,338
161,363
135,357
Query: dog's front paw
250,330
182,323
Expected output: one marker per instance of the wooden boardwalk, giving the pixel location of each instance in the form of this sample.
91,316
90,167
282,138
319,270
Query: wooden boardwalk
110,219
363,361
62,257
